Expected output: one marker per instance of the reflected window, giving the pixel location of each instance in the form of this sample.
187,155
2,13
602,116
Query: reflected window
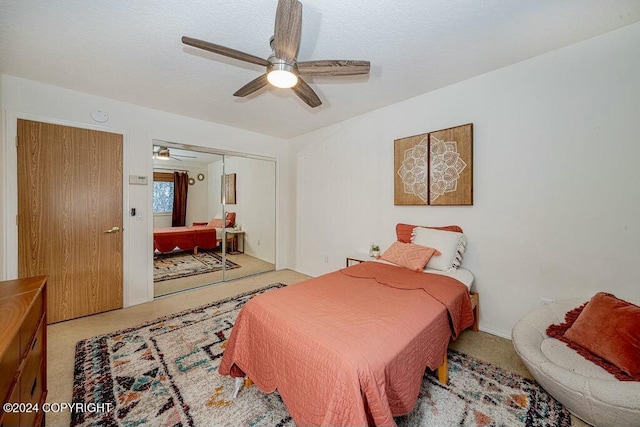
162,192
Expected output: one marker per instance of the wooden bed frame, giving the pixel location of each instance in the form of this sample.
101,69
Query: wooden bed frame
443,369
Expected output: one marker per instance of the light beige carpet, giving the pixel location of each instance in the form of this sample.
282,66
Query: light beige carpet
62,337
249,265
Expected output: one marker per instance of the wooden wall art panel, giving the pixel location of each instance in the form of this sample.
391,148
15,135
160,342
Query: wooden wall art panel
411,172
451,166
435,168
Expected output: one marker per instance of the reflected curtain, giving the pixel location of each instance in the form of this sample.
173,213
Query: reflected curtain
180,188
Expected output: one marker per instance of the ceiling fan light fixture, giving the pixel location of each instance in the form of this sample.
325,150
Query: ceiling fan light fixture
282,75
283,79
163,154
283,68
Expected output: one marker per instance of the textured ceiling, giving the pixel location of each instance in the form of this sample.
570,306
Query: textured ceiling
131,50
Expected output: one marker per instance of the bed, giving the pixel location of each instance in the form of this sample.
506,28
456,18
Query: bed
185,238
200,235
349,347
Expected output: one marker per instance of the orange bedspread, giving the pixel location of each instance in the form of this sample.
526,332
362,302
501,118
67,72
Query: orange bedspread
349,347
186,238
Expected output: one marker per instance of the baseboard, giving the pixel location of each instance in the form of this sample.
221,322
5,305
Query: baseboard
495,332
303,272
136,302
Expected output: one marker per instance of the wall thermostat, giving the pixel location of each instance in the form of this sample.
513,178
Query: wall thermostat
137,180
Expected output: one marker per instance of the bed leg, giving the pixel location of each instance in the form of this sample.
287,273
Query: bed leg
443,371
239,381
475,302
195,250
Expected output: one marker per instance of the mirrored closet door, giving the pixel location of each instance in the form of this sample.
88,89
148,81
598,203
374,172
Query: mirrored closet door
214,216
248,194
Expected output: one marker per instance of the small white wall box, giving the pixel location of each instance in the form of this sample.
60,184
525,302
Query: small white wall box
137,180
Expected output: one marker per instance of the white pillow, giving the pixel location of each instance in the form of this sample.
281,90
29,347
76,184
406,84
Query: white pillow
450,244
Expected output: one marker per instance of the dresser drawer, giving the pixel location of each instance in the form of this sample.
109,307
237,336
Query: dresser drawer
30,392
11,419
31,322
9,366
31,377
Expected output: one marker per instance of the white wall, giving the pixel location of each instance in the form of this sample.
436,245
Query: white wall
213,178
255,202
197,196
556,198
32,100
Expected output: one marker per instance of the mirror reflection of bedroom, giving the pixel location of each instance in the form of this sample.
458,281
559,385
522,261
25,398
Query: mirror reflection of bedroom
213,217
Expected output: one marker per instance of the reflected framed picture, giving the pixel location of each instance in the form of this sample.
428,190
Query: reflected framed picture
229,189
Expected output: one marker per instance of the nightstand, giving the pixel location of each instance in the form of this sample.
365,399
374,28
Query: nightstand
358,257
235,247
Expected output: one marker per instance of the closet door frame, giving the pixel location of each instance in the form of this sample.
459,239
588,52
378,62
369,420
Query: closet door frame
224,154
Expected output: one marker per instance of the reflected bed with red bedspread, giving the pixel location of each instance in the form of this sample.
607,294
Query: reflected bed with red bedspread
349,347
185,238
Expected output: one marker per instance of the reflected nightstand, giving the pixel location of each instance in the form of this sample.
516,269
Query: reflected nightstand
235,245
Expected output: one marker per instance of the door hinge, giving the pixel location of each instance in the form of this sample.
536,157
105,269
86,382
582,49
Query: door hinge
16,140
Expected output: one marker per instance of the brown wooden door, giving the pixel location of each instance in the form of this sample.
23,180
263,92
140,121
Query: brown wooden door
69,194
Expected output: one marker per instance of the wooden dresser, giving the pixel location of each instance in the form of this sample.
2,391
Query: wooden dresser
23,350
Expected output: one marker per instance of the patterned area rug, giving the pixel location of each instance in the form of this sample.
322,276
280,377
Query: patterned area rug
174,265
165,373
480,394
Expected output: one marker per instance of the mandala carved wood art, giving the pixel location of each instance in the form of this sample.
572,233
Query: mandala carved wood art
435,168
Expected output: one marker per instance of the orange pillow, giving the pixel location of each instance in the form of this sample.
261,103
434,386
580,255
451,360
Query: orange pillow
230,219
610,328
403,231
414,257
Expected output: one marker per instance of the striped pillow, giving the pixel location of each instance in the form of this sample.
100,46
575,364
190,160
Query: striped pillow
451,245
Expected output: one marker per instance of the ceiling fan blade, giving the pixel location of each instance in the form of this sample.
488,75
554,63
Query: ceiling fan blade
286,37
333,68
304,91
252,86
225,51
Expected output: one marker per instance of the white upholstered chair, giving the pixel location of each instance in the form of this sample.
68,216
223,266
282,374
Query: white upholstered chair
585,389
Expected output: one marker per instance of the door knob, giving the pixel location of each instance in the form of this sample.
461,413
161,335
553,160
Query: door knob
113,230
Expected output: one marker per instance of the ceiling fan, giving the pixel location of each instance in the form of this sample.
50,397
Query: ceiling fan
162,153
283,68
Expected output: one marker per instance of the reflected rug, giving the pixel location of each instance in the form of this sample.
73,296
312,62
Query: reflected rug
173,265
165,373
